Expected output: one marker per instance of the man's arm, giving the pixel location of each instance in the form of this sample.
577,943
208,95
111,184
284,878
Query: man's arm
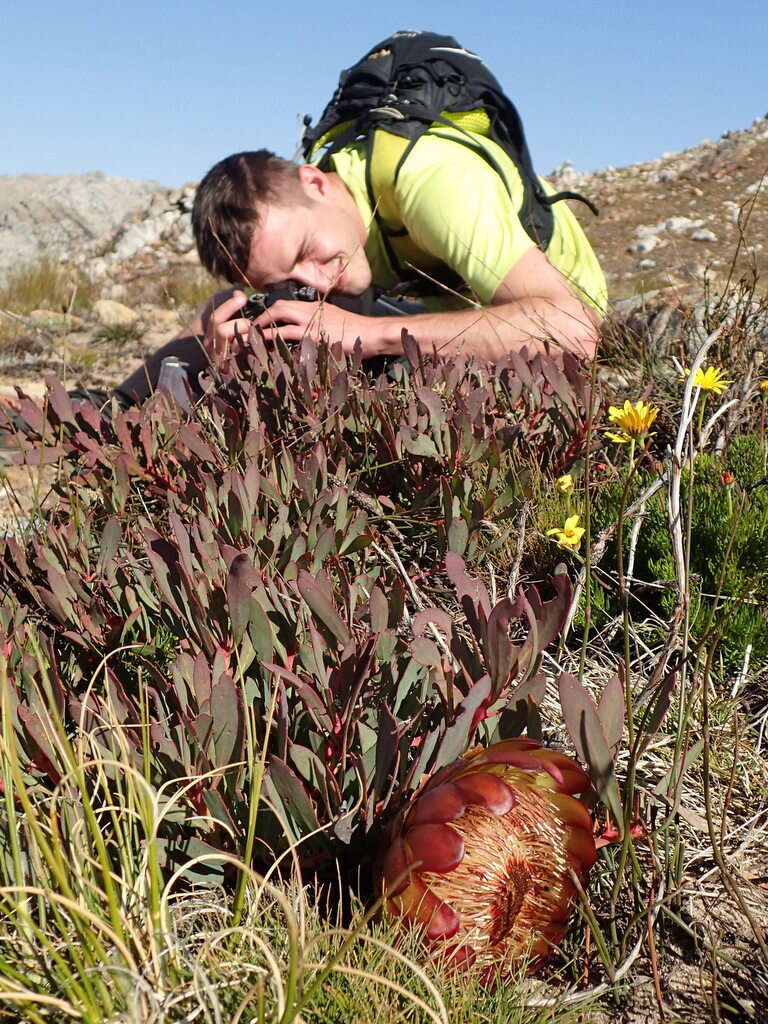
532,305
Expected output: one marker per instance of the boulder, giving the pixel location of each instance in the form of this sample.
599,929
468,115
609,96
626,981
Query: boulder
50,319
114,314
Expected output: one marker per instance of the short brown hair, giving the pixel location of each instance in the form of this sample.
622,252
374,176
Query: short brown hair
227,208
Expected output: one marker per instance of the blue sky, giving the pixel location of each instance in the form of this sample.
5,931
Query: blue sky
164,90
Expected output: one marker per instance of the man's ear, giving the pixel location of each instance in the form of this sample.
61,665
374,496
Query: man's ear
313,181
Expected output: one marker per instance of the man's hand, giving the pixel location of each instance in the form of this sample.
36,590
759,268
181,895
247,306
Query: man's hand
223,334
294,321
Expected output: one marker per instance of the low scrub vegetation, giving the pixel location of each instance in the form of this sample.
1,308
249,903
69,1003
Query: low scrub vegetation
240,644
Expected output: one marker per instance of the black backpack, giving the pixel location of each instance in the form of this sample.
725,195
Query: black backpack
396,92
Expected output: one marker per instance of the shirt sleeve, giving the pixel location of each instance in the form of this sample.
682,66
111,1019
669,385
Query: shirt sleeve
456,207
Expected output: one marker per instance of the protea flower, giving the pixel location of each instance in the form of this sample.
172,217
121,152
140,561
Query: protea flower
481,856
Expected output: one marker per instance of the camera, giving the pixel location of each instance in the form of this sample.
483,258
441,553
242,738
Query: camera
291,290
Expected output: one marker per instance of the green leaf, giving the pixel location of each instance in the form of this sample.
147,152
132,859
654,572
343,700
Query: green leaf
293,795
110,542
433,403
261,631
457,736
458,535
418,444
177,852
309,767
225,708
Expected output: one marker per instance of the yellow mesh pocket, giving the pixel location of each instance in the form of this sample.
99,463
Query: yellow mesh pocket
330,135
470,120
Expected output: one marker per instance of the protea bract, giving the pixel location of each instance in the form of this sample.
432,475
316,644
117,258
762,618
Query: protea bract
481,856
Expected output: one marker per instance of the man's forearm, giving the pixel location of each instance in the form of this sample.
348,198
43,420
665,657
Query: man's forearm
492,332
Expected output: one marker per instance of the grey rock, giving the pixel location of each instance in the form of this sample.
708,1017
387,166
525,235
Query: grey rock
646,243
703,235
682,223
694,270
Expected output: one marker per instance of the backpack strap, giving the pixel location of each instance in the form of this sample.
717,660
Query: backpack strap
567,194
387,153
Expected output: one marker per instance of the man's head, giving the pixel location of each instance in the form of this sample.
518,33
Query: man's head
259,219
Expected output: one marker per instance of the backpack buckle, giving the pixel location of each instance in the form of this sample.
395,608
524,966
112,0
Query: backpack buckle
386,114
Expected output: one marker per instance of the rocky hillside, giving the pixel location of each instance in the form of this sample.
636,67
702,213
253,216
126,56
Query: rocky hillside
662,222
670,221
664,225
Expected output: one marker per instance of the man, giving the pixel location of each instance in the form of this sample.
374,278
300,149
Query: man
487,287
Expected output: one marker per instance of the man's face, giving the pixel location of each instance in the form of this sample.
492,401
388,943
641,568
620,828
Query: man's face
314,236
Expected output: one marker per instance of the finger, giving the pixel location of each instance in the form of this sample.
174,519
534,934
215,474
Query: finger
288,311
231,330
286,332
227,310
276,313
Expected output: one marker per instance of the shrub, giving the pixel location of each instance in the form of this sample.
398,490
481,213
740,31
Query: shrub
243,580
729,539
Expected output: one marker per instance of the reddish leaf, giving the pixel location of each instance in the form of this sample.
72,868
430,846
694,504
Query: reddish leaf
379,608
425,652
473,589
500,651
610,709
387,743
319,599
239,595
586,731
661,700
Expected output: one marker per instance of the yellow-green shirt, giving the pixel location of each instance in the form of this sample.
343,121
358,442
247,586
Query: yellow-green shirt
459,214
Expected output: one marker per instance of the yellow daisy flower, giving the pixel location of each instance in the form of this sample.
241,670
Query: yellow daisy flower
564,483
711,379
763,385
570,534
633,421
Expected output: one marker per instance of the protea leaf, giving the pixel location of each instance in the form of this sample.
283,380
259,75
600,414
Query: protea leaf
481,857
